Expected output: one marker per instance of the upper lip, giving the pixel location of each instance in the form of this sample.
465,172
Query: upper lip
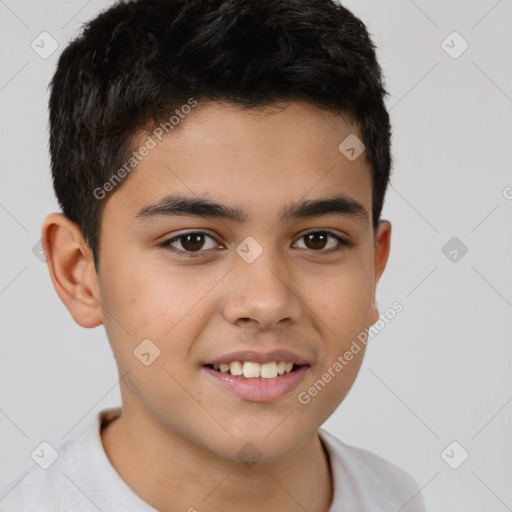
261,357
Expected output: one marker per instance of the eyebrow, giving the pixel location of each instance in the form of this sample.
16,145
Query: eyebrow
178,205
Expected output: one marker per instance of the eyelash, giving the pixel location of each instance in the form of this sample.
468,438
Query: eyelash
191,254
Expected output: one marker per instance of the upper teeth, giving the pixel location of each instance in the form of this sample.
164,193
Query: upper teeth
252,369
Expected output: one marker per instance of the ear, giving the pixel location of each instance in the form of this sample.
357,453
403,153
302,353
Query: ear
71,265
382,244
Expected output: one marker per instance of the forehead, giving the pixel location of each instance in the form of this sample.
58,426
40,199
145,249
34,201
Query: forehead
254,160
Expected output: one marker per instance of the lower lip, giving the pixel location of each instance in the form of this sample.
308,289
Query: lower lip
258,390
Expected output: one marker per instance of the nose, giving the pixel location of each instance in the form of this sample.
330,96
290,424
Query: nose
260,294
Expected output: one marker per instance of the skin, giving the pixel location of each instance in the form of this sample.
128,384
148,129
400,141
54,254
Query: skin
176,424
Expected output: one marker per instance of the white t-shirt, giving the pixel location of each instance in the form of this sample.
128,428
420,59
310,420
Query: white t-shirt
82,479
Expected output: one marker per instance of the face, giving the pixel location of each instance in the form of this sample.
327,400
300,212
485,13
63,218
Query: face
198,287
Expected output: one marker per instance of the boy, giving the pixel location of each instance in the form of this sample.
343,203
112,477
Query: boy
221,166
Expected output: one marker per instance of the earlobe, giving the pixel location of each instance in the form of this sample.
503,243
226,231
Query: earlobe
381,254
71,268
374,314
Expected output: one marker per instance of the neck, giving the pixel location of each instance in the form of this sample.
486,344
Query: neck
171,473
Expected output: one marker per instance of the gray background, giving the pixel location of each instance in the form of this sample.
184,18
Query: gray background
439,372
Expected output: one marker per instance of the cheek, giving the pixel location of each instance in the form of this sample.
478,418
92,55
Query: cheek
142,294
167,307
344,309
344,300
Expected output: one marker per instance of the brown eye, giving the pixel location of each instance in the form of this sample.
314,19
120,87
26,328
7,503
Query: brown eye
317,241
191,242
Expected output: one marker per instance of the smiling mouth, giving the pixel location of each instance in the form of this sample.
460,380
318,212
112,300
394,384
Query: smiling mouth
253,382
240,371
